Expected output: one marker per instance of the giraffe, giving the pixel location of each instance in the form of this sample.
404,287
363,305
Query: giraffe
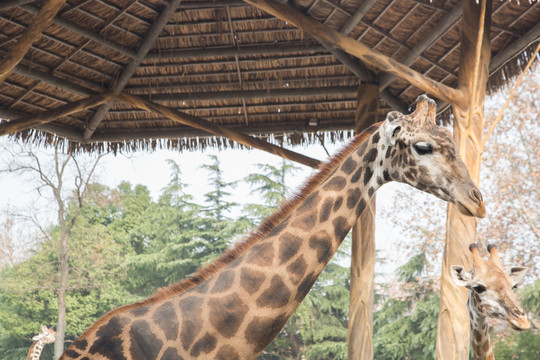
234,307
490,295
46,336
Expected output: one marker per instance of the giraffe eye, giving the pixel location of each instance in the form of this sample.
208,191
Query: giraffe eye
479,289
423,148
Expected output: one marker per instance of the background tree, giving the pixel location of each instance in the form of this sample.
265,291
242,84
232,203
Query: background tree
53,178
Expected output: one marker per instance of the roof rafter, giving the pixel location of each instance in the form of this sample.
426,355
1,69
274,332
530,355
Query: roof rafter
31,34
217,130
132,66
357,68
360,51
86,33
6,4
450,20
50,115
113,135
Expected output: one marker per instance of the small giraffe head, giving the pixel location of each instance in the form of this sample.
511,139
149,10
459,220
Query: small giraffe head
491,287
424,155
46,336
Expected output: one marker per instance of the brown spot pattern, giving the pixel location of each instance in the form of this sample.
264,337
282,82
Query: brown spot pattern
277,295
251,280
288,247
227,313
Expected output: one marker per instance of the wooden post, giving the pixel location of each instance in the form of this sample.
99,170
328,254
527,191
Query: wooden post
32,33
453,332
360,336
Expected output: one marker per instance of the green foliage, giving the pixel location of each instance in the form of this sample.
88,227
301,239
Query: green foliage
124,246
406,327
270,185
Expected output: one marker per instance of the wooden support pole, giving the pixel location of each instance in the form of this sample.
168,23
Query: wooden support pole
360,336
32,33
362,52
51,115
217,130
453,327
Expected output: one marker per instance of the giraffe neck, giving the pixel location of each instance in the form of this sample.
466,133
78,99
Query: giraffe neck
481,344
269,281
35,350
234,308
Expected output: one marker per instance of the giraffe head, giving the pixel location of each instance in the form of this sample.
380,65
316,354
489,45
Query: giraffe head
424,155
46,336
491,288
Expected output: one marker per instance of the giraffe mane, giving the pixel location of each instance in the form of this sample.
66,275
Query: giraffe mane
269,223
236,250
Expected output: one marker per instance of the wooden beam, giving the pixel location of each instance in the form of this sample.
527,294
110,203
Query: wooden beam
52,80
354,66
362,52
51,115
217,130
357,16
434,34
92,35
254,94
32,33
514,48
263,49
132,66
116,135
6,4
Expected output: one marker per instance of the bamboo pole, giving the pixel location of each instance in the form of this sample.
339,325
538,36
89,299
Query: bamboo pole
216,129
360,335
32,33
362,52
453,326
51,115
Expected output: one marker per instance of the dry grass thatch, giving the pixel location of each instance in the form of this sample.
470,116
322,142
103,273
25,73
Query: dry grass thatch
232,64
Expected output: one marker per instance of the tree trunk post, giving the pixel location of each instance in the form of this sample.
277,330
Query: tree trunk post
453,331
359,339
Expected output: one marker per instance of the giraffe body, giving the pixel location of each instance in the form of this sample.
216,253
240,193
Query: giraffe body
490,295
46,336
233,308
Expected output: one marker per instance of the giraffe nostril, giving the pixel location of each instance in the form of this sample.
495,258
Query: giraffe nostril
476,196
518,312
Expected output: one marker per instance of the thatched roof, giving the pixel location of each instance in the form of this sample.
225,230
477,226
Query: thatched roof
233,65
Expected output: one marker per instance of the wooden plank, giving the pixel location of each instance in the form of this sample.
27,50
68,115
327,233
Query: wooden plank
32,33
51,115
453,326
360,335
362,52
217,130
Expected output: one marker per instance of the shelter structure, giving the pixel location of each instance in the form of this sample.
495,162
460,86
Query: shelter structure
121,75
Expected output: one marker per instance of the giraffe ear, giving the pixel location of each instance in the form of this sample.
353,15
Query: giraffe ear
517,273
392,129
460,276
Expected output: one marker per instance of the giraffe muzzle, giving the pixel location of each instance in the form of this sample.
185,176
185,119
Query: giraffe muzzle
519,322
473,205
